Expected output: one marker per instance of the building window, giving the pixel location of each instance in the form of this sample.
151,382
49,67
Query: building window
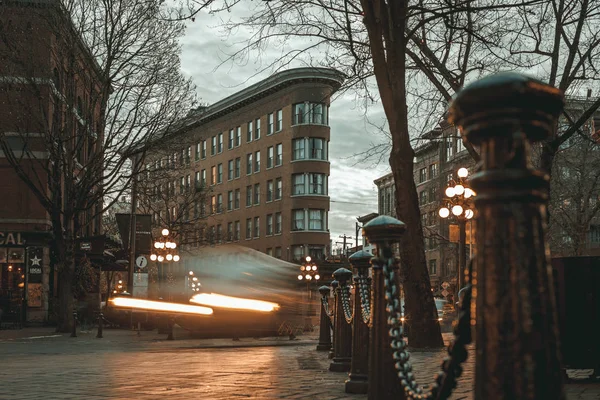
213,147
219,233
213,204
277,223
423,197
257,162
238,164
278,189
278,252
229,231
298,184
203,150
237,231
257,194
594,234
213,175
460,145
297,220
231,136
182,160
230,200
197,180
203,177
269,124
270,157
220,173
270,251
248,164
249,132
236,204
248,196
256,227
309,113
298,153
248,228
433,168
449,148
279,125
219,203
316,220
181,185
269,224
238,136
316,149
433,194
188,183
269,190
279,154
422,175
316,184
432,267
257,129
230,170
198,150
297,253
188,156
220,143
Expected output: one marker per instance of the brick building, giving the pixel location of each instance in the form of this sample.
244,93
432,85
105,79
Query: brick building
261,157
47,79
440,154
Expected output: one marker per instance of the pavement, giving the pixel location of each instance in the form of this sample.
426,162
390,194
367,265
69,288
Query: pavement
40,364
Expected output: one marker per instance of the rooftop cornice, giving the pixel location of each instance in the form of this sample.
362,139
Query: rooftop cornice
262,89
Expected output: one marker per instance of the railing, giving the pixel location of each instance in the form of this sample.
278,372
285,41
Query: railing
509,278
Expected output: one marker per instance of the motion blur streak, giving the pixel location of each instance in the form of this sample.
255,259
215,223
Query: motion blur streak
160,306
219,300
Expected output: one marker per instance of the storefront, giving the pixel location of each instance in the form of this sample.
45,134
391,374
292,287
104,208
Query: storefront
24,278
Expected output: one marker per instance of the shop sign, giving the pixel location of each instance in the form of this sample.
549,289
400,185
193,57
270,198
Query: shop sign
35,267
11,239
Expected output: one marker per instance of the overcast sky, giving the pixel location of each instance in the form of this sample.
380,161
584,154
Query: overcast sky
351,186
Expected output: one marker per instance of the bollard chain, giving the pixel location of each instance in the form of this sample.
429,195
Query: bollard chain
345,297
326,308
364,290
451,369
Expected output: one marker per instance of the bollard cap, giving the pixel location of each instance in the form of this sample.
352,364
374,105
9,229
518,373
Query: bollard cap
361,259
334,284
342,275
324,290
384,228
506,98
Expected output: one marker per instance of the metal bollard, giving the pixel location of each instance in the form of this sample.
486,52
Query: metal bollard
359,368
517,330
342,345
383,231
325,322
100,325
334,285
74,332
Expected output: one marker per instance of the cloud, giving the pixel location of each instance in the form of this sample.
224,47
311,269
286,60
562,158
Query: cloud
205,48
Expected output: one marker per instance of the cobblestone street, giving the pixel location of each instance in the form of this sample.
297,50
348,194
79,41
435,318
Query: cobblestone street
126,366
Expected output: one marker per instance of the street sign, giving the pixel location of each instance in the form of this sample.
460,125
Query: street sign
85,246
141,262
445,293
445,285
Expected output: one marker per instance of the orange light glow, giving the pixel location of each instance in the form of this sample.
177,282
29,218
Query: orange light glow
160,306
218,300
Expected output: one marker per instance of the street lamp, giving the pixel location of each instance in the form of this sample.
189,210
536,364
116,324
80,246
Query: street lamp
164,252
458,204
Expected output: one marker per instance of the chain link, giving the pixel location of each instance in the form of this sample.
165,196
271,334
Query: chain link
364,291
326,308
446,380
345,297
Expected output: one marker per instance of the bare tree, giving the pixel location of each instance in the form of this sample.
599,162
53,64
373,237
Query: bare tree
383,48
112,82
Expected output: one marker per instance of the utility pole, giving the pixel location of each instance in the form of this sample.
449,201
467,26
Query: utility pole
357,228
344,242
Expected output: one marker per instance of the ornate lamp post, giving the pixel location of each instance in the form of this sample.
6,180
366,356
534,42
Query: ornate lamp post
308,273
164,252
458,202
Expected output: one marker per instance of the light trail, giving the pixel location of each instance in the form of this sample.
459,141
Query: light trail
219,300
160,306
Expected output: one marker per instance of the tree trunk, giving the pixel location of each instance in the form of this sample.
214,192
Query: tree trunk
66,274
420,308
